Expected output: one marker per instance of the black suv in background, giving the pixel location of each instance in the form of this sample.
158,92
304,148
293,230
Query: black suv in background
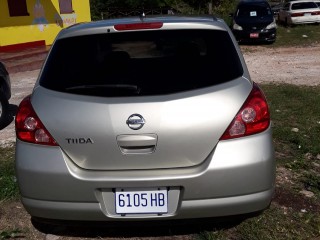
5,94
253,21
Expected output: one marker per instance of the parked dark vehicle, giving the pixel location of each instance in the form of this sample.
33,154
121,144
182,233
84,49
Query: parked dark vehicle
253,21
5,94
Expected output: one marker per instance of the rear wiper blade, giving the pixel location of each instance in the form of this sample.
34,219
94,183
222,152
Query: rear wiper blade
126,87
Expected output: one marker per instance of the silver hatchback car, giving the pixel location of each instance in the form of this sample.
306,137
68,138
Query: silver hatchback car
145,119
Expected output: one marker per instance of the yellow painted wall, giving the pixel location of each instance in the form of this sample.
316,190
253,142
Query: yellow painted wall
23,29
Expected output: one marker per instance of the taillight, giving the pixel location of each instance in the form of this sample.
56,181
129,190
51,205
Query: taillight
297,14
138,26
315,13
253,117
29,128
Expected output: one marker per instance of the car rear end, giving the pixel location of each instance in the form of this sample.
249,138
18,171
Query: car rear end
304,12
152,119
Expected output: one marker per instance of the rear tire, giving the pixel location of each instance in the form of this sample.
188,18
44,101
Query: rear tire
4,110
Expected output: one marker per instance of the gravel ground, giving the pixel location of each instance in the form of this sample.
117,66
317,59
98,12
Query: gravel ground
293,65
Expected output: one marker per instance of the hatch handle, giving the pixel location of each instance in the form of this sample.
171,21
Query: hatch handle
137,144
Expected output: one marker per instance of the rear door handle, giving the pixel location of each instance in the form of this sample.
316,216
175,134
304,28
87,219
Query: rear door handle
137,144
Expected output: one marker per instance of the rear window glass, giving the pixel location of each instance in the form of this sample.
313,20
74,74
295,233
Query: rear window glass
141,63
303,5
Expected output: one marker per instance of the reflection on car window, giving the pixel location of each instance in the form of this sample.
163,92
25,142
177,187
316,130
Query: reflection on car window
152,49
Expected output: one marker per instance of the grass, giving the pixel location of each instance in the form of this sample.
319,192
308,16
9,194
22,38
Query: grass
8,185
295,115
291,214
274,223
10,234
301,35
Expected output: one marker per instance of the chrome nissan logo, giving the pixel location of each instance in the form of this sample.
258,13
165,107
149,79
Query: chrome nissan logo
135,121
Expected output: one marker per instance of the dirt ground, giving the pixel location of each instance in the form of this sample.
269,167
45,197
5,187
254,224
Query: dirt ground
293,65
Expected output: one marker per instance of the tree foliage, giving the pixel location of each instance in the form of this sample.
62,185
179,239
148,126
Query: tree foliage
183,6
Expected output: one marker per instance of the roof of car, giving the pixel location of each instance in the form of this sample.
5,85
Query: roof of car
104,26
253,2
298,1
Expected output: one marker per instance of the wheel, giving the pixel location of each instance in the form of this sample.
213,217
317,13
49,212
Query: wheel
4,109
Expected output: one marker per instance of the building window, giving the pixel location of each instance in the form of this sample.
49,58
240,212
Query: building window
65,6
18,8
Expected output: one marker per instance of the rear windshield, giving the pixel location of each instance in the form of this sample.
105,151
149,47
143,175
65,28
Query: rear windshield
141,63
251,11
304,5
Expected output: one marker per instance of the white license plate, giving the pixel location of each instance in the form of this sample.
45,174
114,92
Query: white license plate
129,201
307,14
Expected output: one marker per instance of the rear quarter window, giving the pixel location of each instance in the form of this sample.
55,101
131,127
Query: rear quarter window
141,63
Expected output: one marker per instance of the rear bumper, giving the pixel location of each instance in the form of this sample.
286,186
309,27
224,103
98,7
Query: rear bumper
227,183
304,20
189,209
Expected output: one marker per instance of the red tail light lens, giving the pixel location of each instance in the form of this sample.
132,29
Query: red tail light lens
297,14
136,26
315,13
253,117
29,128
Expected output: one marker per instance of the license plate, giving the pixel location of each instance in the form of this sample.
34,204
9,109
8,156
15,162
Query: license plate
254,35
307,14
129,201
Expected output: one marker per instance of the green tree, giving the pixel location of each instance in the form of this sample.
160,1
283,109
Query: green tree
96,7
220,7
100,6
